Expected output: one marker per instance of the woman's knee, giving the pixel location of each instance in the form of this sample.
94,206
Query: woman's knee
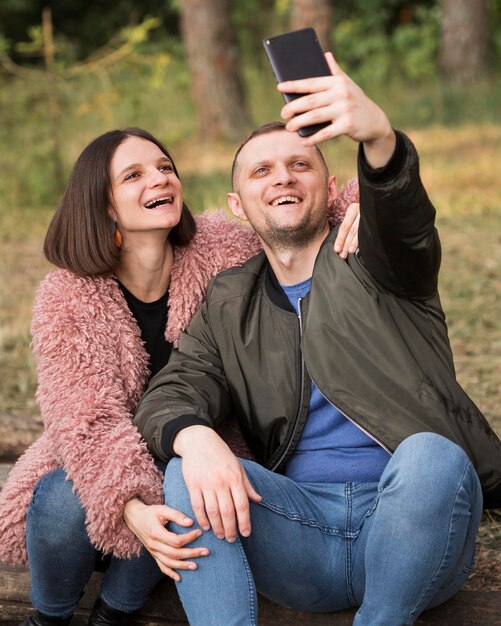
55,510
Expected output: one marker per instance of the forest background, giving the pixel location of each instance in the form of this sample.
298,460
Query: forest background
194,73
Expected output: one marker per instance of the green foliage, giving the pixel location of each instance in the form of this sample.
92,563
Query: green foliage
372,52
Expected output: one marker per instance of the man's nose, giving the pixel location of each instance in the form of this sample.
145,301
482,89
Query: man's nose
284,175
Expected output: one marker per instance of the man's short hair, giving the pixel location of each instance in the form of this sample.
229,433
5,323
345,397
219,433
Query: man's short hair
270,127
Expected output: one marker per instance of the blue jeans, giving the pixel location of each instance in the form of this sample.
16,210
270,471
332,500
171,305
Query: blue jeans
392,548
62,558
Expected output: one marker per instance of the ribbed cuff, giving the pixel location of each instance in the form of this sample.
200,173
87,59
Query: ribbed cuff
171,429
390,171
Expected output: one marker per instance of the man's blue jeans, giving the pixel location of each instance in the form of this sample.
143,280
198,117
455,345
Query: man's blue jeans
393,549
62,558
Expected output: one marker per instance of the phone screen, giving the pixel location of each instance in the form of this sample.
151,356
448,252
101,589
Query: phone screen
297,55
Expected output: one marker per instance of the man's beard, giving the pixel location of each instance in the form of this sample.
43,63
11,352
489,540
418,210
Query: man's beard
281,238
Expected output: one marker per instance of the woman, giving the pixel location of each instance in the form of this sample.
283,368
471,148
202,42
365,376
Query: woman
134,266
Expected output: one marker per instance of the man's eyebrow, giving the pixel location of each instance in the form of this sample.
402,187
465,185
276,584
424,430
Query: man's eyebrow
293,157
300,157
260,163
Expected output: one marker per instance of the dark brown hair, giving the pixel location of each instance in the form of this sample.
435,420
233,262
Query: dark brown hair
270,127
80,237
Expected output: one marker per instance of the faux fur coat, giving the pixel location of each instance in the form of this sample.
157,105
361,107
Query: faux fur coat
92,370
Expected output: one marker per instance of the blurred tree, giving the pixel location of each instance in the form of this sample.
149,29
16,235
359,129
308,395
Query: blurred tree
51,78
314,13
464,39
86,24
215,69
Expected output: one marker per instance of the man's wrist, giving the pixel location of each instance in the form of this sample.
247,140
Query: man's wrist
184,437
379,151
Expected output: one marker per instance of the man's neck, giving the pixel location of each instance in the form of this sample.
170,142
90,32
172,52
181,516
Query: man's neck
294,265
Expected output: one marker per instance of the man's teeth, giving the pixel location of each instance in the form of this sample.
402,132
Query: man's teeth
286,199
154,203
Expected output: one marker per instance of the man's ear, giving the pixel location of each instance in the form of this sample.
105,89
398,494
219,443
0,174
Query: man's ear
235,205
331,190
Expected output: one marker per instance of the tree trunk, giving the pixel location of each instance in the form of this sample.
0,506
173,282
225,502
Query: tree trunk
464,38
215,70
314,13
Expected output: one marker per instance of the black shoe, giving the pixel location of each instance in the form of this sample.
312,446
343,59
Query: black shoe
105,615
39,619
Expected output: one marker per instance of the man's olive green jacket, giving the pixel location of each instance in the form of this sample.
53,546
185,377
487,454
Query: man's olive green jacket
371,334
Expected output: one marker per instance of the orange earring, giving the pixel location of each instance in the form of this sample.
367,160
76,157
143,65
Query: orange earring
117,237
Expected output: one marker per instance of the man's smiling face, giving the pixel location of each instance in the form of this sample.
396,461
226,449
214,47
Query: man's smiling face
283,189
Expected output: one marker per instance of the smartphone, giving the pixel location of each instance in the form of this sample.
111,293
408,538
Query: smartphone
293,56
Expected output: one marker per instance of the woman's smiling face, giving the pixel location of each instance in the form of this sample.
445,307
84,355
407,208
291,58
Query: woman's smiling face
146,194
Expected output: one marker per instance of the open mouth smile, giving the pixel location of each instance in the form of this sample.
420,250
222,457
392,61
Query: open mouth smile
153,204
285,200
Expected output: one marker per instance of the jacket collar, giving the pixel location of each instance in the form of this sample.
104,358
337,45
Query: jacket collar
273,289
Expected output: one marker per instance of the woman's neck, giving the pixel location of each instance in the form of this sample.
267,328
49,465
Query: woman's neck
145,270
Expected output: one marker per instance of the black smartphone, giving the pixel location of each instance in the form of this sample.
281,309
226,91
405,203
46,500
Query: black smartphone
293,56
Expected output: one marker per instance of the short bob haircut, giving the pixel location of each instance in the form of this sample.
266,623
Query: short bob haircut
80,237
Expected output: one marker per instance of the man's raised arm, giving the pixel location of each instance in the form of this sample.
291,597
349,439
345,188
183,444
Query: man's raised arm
398,241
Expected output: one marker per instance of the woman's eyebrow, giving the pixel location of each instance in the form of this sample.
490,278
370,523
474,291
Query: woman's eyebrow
132,166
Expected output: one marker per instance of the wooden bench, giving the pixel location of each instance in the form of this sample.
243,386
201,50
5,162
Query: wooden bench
467,608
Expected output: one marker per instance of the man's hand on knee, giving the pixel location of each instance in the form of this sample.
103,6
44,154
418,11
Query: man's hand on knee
218,485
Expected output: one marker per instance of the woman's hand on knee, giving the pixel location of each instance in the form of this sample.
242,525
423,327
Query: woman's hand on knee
168,549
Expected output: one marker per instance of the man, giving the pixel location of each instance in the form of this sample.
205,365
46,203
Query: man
366,489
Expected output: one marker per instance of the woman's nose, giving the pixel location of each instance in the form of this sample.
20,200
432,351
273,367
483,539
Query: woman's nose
157,178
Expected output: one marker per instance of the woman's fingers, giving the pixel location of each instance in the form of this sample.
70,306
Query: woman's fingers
347,237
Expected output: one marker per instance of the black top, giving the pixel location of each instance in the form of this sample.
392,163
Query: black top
151,318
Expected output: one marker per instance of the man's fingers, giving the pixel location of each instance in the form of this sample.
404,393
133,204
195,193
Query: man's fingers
333,66
252,494
241,504
213,513
198,506
305,85
309,102
227,505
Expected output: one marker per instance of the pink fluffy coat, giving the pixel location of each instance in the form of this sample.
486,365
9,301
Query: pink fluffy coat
92,369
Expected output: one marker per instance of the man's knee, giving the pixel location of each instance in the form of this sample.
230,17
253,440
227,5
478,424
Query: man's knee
175,491
431,461
432,449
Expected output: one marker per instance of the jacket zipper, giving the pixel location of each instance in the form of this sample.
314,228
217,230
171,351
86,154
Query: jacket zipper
375,439
301,396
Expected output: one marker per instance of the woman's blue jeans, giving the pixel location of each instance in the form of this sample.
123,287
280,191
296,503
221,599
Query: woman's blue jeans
393,548
62,558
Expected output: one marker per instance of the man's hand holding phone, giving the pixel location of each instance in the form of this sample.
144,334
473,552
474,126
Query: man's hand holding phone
339,102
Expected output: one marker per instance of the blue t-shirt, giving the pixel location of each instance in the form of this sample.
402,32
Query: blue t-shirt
331,449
